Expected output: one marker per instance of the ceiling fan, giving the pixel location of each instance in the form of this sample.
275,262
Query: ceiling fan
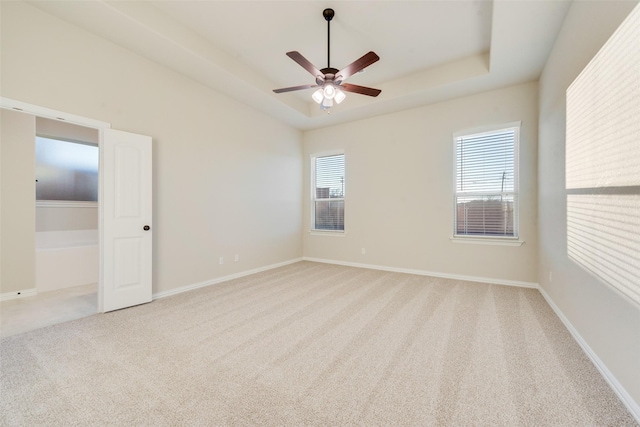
330,81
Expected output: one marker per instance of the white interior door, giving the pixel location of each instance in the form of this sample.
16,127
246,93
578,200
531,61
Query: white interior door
126,257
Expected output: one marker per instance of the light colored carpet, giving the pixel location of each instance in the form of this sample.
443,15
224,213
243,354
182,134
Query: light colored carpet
311,344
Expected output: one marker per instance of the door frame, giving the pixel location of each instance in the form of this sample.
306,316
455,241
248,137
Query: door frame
38,111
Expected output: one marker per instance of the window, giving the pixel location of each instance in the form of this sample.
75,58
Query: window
602,163
486,192
328,192
66,170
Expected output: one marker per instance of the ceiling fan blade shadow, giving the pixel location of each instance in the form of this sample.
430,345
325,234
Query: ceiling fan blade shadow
304,63
362,90
292,88
357,65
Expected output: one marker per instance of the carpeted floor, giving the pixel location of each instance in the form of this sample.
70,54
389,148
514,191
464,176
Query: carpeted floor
311,344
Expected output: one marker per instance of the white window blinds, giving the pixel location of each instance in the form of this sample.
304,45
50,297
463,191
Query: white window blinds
486,199
328,192
603,162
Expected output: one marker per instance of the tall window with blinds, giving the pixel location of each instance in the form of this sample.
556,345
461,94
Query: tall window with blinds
486,187
328,192
603,163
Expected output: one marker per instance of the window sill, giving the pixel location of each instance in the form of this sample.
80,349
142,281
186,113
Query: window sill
328,233
487,241
65,204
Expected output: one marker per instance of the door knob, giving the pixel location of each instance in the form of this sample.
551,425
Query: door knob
146,228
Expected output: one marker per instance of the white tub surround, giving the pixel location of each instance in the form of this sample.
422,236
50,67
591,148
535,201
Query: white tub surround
66,258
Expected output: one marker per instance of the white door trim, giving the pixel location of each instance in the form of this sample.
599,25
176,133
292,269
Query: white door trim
39,111
36,110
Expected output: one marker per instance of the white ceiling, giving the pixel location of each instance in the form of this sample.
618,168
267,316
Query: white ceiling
430,50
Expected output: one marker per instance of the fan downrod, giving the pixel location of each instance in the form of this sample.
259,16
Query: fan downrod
328,16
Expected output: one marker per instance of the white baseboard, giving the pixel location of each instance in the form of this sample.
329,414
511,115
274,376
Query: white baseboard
428,273
18,294
222,279
619,390
349,264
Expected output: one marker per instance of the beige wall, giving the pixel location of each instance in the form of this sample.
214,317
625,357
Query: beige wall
227,179
608,322
399,183
67,131
17,196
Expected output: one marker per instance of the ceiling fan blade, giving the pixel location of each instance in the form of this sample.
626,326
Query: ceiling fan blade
357,65
304,63
291,89
360,89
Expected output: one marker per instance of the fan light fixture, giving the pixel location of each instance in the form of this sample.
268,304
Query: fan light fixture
330,81
327,94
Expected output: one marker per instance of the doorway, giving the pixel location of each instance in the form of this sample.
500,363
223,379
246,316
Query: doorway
66,219
49,271
124,213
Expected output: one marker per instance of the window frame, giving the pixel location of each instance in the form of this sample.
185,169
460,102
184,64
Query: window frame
312,161
489,239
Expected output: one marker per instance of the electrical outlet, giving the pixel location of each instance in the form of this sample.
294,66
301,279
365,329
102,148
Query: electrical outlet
364,251
221,260
236,258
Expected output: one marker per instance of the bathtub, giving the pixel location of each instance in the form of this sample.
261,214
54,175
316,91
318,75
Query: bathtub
66,258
